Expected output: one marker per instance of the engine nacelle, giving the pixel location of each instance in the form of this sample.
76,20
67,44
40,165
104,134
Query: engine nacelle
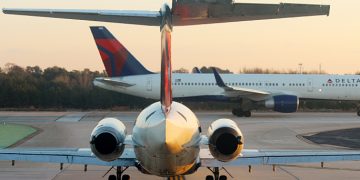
225,140
107,139
283,103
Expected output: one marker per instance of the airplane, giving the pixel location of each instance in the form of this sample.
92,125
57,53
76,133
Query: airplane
167,136
279,92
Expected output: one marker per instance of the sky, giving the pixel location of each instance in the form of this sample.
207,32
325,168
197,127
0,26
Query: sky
332,42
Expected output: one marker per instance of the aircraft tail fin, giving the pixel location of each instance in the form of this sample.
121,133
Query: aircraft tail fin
118,61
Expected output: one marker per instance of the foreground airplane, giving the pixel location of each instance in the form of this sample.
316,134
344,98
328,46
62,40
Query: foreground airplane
167,139
279,92
167,136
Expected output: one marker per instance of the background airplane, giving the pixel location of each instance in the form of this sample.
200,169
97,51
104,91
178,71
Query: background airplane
279,92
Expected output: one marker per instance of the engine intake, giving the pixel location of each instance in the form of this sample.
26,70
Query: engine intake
107,139
283,103
225,140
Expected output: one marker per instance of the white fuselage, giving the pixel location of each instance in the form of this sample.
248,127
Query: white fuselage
332,87
167,145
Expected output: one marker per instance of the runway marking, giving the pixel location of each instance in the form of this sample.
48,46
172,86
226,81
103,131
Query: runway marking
289,173
76,117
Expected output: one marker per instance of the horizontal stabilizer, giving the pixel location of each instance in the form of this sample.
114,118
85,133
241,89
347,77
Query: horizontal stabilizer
191,13
149,18
185,12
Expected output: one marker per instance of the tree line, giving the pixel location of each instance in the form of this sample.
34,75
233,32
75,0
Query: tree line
55,88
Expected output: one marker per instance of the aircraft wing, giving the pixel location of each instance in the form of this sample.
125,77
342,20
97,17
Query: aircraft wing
190,13
237,91
248,157
66,156
150,18
280,157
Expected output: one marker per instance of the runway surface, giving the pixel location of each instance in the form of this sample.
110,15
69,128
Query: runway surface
262,131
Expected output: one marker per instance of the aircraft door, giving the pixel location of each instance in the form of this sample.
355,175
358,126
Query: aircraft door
149,84
310,85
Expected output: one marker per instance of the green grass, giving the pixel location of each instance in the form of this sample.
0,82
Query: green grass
12,133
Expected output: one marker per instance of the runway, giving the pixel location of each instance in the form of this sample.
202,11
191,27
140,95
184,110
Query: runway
262,131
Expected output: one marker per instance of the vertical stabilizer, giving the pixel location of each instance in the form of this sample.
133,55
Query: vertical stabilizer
166,89
118,61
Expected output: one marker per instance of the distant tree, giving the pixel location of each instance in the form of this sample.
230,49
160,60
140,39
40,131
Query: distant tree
181,70
209,70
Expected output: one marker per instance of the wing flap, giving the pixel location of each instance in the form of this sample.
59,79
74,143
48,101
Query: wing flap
275,157
149,18
67,156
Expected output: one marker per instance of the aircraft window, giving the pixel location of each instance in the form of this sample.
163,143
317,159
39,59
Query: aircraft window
202,84
253,84
242,83
266,84
273,84
260,84
283,84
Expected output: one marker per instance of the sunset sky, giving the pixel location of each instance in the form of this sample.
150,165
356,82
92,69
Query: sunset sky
333,42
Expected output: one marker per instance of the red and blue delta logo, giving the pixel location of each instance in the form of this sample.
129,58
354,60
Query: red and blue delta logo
329,81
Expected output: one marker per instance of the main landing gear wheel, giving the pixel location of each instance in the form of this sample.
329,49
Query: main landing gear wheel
358,113
216,176
119,176
240,113
247,113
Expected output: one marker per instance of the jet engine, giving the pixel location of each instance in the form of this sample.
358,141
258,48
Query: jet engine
225,140
283,103
107,139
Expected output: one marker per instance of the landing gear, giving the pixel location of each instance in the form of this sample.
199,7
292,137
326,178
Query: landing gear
240,113
216,174
358,113
119,172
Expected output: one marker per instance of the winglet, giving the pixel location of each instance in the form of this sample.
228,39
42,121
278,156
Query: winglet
218,79
196,70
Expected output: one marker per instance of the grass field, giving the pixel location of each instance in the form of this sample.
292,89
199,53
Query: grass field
12,133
